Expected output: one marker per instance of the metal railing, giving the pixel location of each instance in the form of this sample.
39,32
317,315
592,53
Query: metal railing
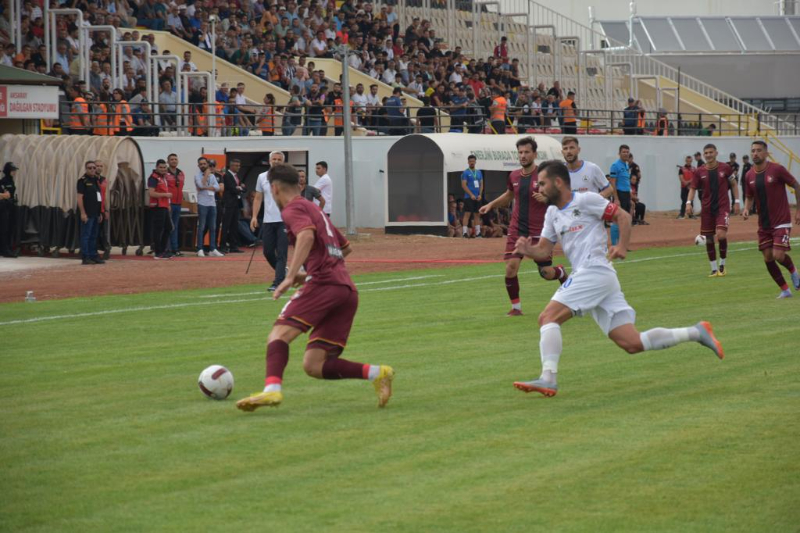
219,119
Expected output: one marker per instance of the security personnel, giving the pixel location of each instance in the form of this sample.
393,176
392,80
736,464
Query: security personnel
79,120
175,181
8,201
160,197
90,206
122,119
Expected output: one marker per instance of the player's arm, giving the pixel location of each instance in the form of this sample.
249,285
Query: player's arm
480,195
302,247
737,204
622,219
257,199
748,205
541,251
84,217
501,201
690,200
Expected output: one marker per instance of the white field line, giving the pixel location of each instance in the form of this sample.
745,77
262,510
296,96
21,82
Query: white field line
222,295
265,297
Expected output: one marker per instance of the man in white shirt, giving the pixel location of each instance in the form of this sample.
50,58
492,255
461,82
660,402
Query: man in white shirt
584,175
187,60
360,103
576,220
273,232
319,46
325,186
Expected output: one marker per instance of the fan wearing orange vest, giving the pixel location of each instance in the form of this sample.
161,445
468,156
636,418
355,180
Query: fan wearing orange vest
266,116
497,111
122,118
662,125
78,121
569,115
159,201
199,112
100,115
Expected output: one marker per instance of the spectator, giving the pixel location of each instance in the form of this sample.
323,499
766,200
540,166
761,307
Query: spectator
167,104
273,232
206,183
501,50
103,228
685,175
427,121
315,111
698,160
360,101
312,194
325,186
638,210
746,166
232,191
662,123
569,115
292,113
491,228
630,116
160,223
453,222
458,110
8,203
175,181
265,119
395,112
187,60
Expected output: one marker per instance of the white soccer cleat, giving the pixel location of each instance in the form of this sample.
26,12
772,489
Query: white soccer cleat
785,294
200,253
215,253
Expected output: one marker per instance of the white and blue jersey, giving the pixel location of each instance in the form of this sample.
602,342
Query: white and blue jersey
588,178
473,179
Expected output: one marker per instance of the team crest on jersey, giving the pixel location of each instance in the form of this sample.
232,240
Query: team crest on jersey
769,179
576,213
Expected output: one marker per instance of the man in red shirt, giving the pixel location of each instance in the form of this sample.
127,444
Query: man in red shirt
715,179
527,220
501,50
159,210
326,301
765,185
175,180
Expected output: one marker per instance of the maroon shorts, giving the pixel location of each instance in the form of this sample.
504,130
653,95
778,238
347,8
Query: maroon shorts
511,244
774,238
328,309
710,223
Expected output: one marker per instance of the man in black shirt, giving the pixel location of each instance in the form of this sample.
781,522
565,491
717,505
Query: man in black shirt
308,192
426,116
746,166
89,202
735,167
232,203
8,202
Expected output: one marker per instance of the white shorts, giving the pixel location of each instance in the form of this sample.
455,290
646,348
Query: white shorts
596,290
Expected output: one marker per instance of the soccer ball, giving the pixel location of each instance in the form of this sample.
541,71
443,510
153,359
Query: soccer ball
700,240
216,382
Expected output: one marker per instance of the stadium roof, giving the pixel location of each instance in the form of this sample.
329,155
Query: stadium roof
18,76
676,35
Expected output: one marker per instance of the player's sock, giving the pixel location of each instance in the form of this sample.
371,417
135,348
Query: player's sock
711,250
464,230
477,230
512,286
723,250
277,359
788,264
660,338
550,345
371,372
335,368
775,271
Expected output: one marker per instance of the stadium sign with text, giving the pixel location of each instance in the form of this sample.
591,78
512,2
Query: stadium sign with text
28,102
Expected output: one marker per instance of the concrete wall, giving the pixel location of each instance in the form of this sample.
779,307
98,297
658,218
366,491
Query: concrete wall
657,157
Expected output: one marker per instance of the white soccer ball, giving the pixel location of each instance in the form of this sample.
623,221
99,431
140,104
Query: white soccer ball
216,382
700,240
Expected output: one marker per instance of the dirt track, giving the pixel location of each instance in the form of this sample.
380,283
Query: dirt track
374,253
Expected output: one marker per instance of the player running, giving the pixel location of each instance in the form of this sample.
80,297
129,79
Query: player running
765,185
585,175
327,302
576,219
527,218
715,180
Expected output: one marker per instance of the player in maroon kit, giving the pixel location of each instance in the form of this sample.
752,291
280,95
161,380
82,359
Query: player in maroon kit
527,220
326,302
765,185
715,179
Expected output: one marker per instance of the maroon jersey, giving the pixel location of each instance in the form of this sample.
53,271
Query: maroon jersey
527,216
325,263
716,187
768,190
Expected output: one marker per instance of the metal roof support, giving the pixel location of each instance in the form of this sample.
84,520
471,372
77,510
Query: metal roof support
559,60
154,65
527,16
210,96
610,78
550,27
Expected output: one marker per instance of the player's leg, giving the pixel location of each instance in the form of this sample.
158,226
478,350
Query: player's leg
476,220
780,250
277,358
708,230
632,341
766,247
512,285
550,345
722,238
465,218
329,339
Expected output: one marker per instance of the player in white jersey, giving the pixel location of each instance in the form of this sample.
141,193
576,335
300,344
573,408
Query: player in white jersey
576,219
585,175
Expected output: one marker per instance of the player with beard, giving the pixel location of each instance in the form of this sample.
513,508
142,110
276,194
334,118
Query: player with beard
766,186
715,179
527,218
577,221
585,175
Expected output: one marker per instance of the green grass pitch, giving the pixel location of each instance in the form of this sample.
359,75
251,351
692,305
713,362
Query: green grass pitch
104,428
